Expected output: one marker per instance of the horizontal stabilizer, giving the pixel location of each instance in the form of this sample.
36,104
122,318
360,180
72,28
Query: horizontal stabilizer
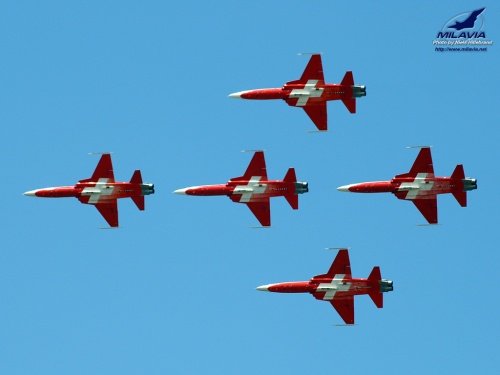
293,200
139,202
378,299
350,104
461,197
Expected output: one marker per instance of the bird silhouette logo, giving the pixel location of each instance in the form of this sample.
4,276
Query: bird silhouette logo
467,23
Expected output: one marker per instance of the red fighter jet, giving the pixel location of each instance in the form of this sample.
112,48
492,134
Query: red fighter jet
311,93
421,186
102,191
254,189
338,287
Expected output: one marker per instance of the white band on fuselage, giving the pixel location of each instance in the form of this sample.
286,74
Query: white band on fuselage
309,91
253,187
336,285
98,190
414,188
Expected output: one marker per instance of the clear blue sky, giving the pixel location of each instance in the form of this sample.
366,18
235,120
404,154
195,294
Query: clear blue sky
173,291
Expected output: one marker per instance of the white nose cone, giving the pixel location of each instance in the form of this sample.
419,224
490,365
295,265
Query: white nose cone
264,288
236,95
30,193
344,188
181,191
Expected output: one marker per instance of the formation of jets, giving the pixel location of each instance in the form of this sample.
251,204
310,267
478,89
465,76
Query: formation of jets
253,188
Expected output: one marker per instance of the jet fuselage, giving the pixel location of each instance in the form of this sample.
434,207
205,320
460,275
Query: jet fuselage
100,190
249,190
309,93
322,289
420,185
55,192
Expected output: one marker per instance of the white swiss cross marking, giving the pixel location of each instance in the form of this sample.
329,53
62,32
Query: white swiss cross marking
334,286
99,189
309,91
253,187
418,184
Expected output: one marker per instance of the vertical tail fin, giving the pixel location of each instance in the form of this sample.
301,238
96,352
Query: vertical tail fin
292,199
290,176
458,173
350,103
136,177
377,297
460,196
348,79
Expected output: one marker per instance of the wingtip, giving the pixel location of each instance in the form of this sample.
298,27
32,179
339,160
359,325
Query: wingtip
309,53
